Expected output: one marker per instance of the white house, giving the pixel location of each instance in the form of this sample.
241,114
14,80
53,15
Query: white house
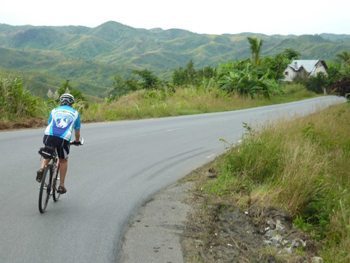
304,69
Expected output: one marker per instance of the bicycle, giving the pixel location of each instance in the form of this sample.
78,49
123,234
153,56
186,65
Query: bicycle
50,179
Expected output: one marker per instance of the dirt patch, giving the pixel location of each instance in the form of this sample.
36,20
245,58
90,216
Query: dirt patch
217,230
20,124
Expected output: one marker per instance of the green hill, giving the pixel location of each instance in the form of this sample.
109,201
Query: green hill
90,57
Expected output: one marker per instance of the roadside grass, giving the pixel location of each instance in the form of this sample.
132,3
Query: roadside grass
301,166
184,101
25,110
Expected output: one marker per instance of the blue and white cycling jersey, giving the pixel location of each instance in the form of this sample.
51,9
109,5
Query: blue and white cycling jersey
62,121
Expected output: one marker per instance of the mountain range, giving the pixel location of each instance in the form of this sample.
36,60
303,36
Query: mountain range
46,56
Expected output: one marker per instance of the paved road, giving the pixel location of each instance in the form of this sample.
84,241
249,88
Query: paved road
120,166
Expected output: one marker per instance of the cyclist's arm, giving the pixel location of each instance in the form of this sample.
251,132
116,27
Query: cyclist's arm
77,129
77,135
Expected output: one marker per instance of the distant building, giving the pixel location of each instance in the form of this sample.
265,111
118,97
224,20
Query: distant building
304,69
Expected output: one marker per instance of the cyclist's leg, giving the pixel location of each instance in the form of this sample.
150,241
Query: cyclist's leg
40,172
63,153
63,171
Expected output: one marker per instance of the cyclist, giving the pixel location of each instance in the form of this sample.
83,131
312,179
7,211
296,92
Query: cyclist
61,123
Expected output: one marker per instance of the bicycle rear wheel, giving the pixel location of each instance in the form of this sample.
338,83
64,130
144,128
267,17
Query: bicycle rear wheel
45,188
56,183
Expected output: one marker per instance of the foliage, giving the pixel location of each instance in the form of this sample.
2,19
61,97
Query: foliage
291,54
80,102
148,79
140,79
243,77
120,87
339,75
255,48
190,76
344,57
16,101
275,66
318,83
67,88
259,76
248,81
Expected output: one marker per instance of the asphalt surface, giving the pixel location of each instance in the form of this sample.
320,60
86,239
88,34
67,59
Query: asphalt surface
156,231
119,168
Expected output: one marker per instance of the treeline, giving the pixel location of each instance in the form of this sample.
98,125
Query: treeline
250,77
257,76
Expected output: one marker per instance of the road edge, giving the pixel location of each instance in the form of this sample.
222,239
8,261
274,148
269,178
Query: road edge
155,231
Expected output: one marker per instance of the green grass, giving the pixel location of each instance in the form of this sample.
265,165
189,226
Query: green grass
184,101
300,166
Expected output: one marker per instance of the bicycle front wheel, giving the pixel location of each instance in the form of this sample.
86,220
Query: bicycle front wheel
45,188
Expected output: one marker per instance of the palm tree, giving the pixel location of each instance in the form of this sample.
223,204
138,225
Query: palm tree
344,57
255,47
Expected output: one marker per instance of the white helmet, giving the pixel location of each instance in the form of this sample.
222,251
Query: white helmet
67,99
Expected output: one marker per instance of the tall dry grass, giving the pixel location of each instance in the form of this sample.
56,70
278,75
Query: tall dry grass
182,101
303,167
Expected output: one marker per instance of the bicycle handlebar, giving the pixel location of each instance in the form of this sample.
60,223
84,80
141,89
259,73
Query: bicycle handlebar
81,142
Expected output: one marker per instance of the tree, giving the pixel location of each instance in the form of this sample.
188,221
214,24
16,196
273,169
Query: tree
276,65
187,76
248,81
80,103
255,47
206,73
318,83
179,77
67,88
291,54
191,73
339,75
148,79
344,57
120,87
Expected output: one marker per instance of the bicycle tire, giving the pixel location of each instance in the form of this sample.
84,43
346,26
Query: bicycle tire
45,188
55,184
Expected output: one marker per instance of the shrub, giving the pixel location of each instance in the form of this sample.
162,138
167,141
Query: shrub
16,101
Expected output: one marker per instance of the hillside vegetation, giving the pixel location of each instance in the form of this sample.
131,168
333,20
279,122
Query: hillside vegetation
229,86
90,57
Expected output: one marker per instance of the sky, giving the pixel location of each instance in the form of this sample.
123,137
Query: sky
200,16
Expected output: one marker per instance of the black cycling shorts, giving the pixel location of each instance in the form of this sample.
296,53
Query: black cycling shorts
62,146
